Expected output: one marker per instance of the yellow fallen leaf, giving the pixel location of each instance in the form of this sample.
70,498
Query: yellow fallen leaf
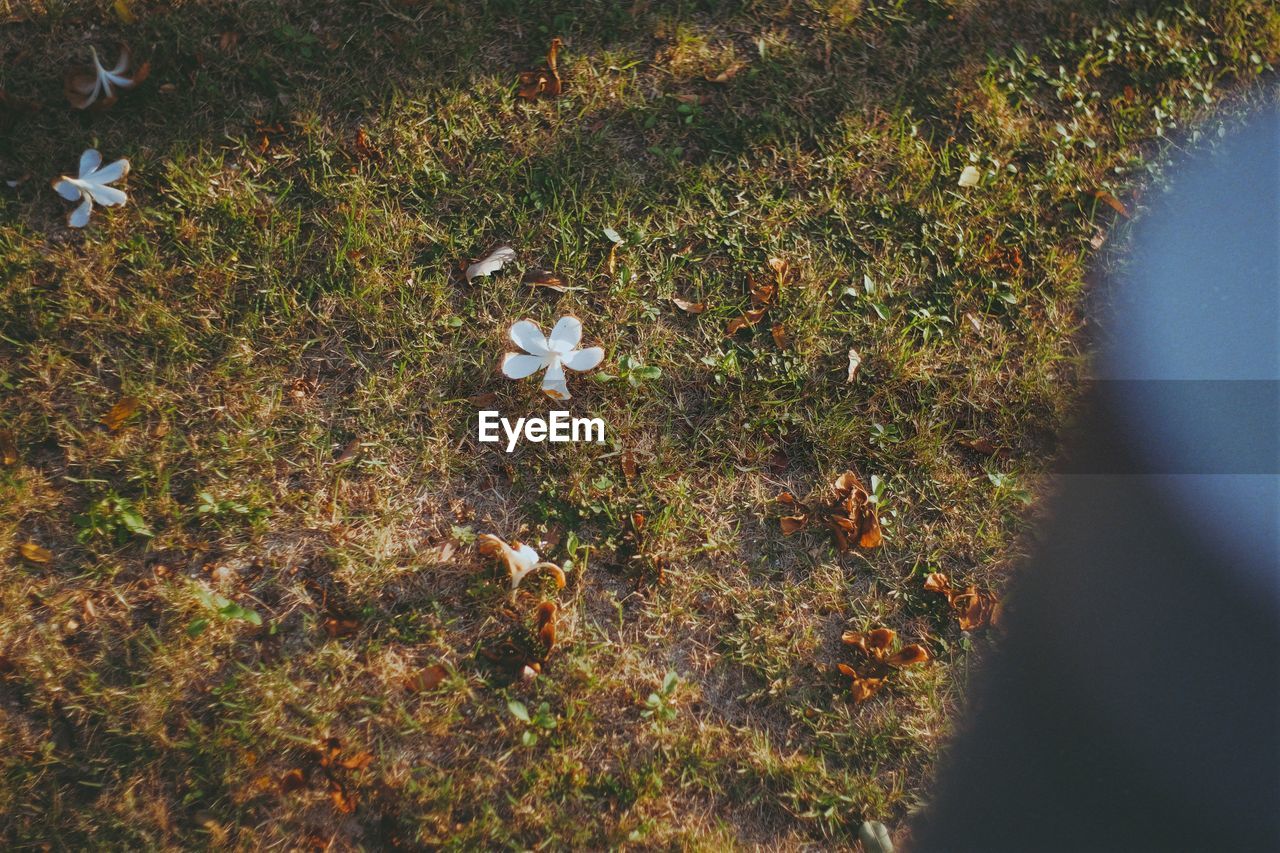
124,409
33,552
123,12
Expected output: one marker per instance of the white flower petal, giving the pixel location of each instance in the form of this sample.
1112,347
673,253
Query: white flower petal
556,390
525,557
516,366
122,63
555,371
491,263
566,335
107,196
584,359
114,172
970,176
79,217
89,161
526,335
66,189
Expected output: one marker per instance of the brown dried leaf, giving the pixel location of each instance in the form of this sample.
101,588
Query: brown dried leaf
34,553
124,409
689,307
938,582
908,656
780,338
630,469
793,523
359,761
544,81
728,74
547,279
749,318
865,688
979,445
545,624
349,452
482,401
294,780
1112,202
428,678
337,627
343,801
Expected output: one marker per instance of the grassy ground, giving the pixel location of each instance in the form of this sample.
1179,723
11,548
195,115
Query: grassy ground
283,295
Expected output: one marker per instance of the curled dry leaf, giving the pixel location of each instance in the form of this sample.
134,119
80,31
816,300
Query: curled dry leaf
880,659
93,85
689,307
855,362
123,409
547,279
763,295
545,625
340,626
848,513
294,780
780,337
543,82
520,560
491,263
728,74
973,609
34,553
1112,202
979,445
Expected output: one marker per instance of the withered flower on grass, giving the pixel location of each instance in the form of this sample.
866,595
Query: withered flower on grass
973,609
520,560
877,648
87,85
849,513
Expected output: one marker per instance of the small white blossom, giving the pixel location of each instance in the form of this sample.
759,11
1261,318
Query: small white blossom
91,186
88,84
554,353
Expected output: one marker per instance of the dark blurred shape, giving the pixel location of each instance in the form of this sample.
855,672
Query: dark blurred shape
1135,703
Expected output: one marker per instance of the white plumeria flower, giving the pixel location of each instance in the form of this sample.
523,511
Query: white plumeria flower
521,560
86,84
91,186
556,353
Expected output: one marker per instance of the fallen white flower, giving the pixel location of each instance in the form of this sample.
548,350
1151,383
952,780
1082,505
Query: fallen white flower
554,353
970,176
520,559
85,84
91,186
491,263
